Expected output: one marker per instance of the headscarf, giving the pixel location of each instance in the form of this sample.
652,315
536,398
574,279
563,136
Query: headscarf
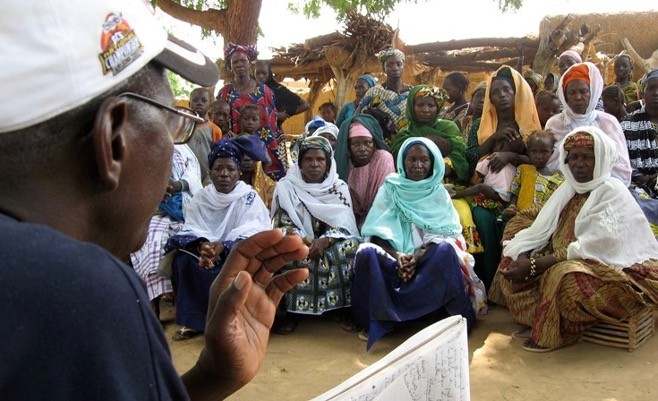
343,144
572,54
575,72
438,127
386,53
649,75
370,80
328,201
534,77
316,122
525,112
327,128
358,130
231,48
234,148
402,202
605,223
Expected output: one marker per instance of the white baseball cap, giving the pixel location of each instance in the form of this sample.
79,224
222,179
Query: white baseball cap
58,54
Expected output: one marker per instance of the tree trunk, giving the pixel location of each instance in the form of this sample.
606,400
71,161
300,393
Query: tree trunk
237,23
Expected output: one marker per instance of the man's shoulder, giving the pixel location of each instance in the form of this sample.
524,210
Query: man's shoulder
21,242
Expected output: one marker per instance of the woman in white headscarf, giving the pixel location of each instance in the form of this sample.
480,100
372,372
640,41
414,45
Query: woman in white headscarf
579,91
312,202
598,261
217,218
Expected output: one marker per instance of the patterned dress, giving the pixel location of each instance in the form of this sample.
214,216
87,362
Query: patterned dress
572,295
328,284
263,97
392,103
531,187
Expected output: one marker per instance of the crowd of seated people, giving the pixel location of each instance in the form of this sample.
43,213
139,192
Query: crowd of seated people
412,210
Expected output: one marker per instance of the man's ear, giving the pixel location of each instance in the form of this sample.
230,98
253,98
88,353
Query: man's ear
109,141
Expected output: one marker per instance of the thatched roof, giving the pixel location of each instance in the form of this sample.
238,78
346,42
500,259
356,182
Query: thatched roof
308,60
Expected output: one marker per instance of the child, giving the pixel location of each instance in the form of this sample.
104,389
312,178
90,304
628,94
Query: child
613,102
250,123
250,119
490,189
623,75
220,114
533,183
548,105
200,103
204,134
328,112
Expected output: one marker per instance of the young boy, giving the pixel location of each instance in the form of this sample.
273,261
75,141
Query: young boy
200,103
205,134
250,119
534,183
328,111
220,115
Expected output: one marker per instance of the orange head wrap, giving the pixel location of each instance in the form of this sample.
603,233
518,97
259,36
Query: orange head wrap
578,71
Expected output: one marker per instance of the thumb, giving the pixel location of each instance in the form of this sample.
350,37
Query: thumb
235,296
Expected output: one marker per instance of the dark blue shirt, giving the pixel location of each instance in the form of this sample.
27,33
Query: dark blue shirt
75,323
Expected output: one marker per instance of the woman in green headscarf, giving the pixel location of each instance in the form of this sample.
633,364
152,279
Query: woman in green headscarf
422,112
423,105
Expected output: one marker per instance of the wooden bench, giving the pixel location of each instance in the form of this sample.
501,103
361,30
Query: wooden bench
630,334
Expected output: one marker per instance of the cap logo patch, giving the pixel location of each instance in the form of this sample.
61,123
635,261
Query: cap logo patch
119,44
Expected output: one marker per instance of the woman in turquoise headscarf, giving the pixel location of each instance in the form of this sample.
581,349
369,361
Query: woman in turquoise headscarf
361,86
416,262
423,106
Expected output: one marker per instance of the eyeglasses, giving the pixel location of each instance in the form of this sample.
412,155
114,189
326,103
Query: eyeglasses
183,120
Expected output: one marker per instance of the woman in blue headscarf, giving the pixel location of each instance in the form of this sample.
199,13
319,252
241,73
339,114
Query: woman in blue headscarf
416,262
220,215
361,86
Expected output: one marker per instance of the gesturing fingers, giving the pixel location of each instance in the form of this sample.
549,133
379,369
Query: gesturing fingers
282,283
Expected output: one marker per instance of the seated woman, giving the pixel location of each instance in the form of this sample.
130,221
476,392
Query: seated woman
219,216
579,90
312,202
362,160
561,276
416,262
508,118
423,106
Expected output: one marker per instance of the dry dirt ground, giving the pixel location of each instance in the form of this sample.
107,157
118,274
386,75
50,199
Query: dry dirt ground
319,355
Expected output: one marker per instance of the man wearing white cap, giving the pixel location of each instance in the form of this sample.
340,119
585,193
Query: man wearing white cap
86,141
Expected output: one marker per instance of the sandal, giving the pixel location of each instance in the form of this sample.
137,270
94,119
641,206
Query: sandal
348,323
285,325
363,335
350,326
531,345
522,334
184,333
